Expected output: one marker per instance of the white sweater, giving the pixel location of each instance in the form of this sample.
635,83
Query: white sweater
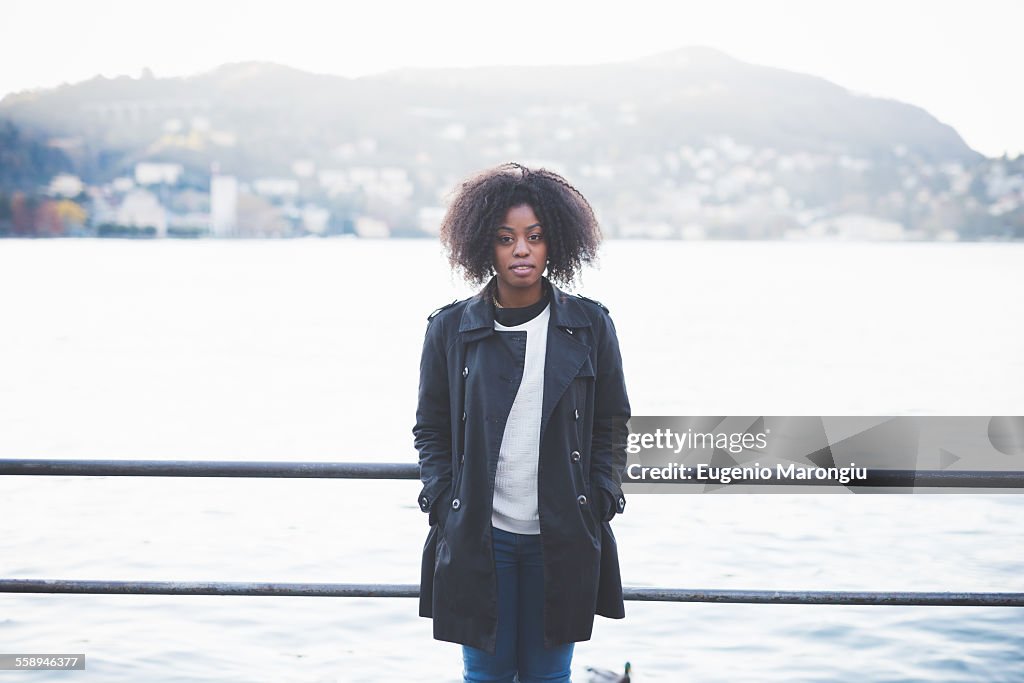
515,483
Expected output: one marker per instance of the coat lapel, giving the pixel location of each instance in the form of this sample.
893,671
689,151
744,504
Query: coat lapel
565,352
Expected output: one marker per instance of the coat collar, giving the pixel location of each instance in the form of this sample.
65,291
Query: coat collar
566,310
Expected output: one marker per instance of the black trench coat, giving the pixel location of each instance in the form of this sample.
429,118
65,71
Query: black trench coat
469,376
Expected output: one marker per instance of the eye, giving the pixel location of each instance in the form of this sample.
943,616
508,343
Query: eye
536,237
504,239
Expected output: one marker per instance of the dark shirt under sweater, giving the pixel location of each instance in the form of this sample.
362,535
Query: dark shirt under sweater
509,317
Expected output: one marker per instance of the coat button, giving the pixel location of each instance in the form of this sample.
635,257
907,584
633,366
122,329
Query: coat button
569,331
463,415
575,455
462,458
582,500
576,414
622,503
424,503
456,504
465,371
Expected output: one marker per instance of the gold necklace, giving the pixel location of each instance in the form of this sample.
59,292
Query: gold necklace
494,296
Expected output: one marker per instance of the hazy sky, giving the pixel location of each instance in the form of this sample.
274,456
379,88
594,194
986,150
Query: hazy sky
959,60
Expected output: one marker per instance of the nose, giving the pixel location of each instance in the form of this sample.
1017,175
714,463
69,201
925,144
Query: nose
522,247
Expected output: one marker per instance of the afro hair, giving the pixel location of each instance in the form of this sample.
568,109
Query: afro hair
482,201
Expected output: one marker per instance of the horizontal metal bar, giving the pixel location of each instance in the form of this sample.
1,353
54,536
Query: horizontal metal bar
826,597
350,590
337,590
210,468
353,470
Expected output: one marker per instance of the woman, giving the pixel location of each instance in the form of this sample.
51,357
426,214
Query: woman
520,428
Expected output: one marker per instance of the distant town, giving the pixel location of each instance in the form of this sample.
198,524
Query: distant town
691,146
732,185
152,202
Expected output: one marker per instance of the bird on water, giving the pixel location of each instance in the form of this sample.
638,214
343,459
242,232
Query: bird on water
606,676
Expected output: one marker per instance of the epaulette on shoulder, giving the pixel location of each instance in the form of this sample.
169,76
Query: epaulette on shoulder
594,301
446,306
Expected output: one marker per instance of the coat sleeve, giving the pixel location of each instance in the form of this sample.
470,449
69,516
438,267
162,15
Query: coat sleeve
432,430
611,412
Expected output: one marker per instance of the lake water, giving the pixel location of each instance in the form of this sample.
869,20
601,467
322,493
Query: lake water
309,350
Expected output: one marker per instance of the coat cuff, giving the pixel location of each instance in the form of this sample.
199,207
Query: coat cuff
614,490
430,494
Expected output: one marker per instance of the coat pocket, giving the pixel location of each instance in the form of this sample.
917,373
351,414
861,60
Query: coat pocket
427,566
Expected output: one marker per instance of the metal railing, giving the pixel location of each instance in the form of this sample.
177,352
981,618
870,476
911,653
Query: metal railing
341,470
998,479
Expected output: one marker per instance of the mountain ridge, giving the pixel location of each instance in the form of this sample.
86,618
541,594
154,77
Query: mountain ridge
683,95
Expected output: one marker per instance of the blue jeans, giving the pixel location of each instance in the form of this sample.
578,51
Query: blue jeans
520,648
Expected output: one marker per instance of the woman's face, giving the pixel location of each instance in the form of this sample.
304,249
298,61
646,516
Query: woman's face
520,249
